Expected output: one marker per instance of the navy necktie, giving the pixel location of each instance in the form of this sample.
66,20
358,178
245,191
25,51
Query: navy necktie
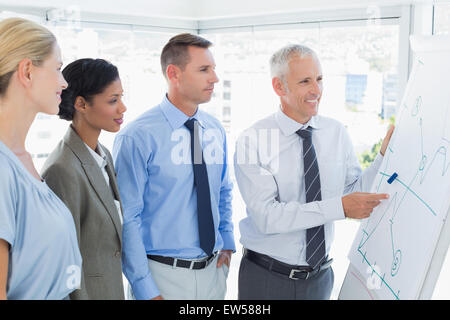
204,213
315,237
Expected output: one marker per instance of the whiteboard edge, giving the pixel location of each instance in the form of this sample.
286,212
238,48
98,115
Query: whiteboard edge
437,261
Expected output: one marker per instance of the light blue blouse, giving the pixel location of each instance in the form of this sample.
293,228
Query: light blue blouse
44,259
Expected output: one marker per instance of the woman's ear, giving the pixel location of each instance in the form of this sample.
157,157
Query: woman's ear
24,72
80,104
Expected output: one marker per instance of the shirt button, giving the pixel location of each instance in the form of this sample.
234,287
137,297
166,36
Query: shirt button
118,254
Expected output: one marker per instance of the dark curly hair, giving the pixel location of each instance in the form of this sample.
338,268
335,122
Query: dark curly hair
85,78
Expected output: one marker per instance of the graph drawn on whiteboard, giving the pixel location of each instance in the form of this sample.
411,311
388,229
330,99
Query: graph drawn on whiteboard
392,247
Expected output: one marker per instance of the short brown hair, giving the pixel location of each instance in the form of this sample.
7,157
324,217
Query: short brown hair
176,50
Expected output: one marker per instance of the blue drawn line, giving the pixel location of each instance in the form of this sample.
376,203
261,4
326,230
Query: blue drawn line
442,151
369,235
381,278
396,254
388,157
415,194
396,202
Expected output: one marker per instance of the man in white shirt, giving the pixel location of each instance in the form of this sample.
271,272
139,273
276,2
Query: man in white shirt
292,169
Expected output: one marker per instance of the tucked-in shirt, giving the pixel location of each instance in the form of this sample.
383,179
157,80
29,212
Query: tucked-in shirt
44,259
270,175
152,157
100,158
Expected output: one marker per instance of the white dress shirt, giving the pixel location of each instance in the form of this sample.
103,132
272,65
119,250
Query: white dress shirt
270,175
101,161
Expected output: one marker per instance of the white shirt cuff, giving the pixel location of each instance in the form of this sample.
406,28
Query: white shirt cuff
332,209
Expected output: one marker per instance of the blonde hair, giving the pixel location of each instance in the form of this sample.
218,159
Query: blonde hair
21,39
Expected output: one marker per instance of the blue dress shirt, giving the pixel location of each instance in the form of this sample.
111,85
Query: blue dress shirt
155,175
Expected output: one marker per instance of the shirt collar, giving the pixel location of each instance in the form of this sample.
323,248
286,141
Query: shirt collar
99,158
176,117
289,126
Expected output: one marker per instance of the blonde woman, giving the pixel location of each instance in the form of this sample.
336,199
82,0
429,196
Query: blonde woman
39,255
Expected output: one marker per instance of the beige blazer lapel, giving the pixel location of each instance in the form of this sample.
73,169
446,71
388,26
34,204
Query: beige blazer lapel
95,177
113,181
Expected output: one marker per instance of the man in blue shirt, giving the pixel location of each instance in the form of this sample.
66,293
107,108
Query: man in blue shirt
174,182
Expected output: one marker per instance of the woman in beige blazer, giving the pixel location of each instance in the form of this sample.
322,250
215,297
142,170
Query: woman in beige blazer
80,171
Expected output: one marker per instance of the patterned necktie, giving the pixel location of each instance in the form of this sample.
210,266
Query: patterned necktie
204,213
315,237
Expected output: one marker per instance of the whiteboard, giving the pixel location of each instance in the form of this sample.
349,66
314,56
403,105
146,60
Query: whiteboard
398,252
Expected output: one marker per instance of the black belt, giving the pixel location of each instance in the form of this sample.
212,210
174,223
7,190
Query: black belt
293,272
189,264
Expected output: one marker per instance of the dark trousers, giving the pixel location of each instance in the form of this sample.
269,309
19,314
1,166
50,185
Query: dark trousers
258,283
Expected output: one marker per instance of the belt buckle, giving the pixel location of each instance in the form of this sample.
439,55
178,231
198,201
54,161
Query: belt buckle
291,274
210,259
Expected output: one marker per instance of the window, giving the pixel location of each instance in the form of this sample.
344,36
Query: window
360,75
441,19
136,54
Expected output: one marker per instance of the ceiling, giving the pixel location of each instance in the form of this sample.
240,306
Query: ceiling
194,9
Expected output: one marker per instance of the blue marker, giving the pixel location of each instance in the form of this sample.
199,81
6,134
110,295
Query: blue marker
392,178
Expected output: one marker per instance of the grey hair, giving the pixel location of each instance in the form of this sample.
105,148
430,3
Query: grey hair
280,59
